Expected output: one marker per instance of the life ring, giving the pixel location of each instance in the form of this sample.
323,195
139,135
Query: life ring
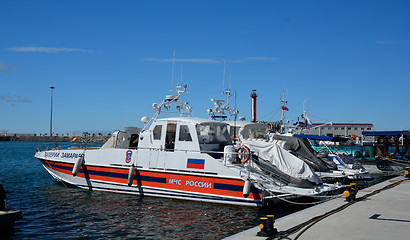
244,154
270,125
235,138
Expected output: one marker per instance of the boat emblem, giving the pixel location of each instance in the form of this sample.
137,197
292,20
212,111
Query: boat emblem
128,155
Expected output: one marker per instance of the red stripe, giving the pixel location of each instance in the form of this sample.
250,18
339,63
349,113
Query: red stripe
196,166
179,182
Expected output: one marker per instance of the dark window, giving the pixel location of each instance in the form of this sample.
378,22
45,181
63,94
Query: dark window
170,137
134,140
157,132
184,134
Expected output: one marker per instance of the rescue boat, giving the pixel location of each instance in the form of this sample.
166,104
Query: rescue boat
180,158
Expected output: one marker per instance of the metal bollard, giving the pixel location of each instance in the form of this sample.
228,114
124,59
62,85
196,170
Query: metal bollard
407,172
347,193
353,191
263,226
267,226
271,221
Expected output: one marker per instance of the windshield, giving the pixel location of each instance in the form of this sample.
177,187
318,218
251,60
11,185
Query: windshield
213,133
254,131
257,133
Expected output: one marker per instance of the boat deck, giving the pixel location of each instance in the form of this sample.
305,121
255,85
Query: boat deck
380,212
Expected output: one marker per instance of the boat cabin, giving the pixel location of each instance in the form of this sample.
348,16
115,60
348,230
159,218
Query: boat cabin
186,134
175,134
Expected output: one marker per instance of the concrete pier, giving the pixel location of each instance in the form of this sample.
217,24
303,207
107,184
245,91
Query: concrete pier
381,211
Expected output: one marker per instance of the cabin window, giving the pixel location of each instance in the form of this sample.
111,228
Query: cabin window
213,138
213,134
170,137
134,140
184,134
157,132
257,133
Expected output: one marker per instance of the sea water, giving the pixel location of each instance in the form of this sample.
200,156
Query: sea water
54,210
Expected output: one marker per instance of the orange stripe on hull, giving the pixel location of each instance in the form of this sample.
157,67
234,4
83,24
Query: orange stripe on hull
173,181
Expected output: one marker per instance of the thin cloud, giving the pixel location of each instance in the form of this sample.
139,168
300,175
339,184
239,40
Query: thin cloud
192,60
213,61
253,59
6,68
23,99
45,49
8,99
17,99
391,42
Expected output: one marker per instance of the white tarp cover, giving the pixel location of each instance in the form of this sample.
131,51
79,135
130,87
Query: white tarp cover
282,159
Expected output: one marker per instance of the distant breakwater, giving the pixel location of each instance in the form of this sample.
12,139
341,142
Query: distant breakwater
90,139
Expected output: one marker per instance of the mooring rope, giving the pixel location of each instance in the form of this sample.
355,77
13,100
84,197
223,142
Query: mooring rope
310,203
15,174
309,223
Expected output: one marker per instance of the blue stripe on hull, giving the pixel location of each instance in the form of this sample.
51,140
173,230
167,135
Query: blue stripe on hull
168,194
151,191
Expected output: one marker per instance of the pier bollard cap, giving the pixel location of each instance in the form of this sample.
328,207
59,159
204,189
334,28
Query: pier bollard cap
346,193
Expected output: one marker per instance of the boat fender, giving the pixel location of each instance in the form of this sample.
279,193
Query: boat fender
246,188
229,153
131,175
382,165
77,166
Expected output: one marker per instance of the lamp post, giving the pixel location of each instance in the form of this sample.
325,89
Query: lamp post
51,112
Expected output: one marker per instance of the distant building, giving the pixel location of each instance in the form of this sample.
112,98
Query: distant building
340,129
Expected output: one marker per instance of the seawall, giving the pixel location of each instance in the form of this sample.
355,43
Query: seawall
54,138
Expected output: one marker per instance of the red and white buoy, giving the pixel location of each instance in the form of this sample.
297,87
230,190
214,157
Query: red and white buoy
254,96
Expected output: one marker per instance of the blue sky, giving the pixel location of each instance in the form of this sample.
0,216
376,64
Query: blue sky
110,60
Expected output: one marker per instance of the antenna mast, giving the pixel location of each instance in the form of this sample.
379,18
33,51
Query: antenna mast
223,80
284,108
173,71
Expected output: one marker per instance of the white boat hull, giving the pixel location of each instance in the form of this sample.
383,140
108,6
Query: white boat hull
156,184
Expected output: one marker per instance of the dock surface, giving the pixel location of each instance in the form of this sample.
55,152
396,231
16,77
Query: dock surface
381,211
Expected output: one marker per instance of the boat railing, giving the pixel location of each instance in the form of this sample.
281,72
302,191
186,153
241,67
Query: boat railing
182,108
